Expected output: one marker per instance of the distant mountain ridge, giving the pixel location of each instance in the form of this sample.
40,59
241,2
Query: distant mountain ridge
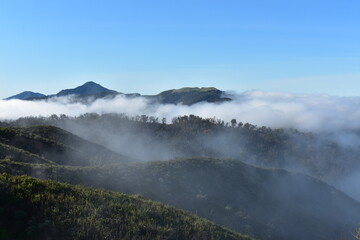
91,91
86,89
189,96
26,95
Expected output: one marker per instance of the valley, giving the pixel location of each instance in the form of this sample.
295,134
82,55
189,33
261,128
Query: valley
255,198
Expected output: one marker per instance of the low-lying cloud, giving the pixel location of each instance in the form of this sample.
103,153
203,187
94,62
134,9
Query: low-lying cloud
334,118
305,112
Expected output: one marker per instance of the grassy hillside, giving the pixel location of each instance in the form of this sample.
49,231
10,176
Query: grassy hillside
267,204
46,144
144,137
17,154
34,209
189,96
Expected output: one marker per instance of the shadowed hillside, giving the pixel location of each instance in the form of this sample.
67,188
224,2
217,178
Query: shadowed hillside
320,155
263,203
46,144
33,209
267,204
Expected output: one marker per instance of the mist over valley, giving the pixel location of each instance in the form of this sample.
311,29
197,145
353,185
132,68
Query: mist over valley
179,120
263,164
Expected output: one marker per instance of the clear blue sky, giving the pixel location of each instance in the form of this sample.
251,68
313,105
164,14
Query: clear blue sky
306,46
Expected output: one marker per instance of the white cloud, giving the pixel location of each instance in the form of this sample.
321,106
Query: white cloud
274,109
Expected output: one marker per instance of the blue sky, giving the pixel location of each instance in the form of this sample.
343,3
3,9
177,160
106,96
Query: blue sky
149,46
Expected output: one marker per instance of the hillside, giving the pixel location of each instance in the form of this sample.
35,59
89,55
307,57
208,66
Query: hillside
263,203
34,209
319,155
266,204
189,96
45,144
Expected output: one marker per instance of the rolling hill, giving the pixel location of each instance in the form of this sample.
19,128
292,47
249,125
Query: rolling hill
33,209
266,204
46,144
262,203
189,96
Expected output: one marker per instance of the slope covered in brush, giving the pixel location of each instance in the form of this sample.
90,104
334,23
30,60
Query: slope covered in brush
46,144
320,155
34,209
266,204
189,96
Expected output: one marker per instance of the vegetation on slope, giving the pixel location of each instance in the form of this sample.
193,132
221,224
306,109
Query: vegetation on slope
318,155
267,204
357,234
46,144
17,154
34,209
189,96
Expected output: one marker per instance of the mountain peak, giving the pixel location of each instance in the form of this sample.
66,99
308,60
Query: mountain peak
91,83
26,95
194,89
87,88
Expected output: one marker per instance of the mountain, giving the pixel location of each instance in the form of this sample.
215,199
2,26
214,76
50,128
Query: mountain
189,96
34,209
91,91
26,95
89,88
263,203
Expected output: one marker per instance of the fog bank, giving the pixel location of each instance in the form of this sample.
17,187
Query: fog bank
305,112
